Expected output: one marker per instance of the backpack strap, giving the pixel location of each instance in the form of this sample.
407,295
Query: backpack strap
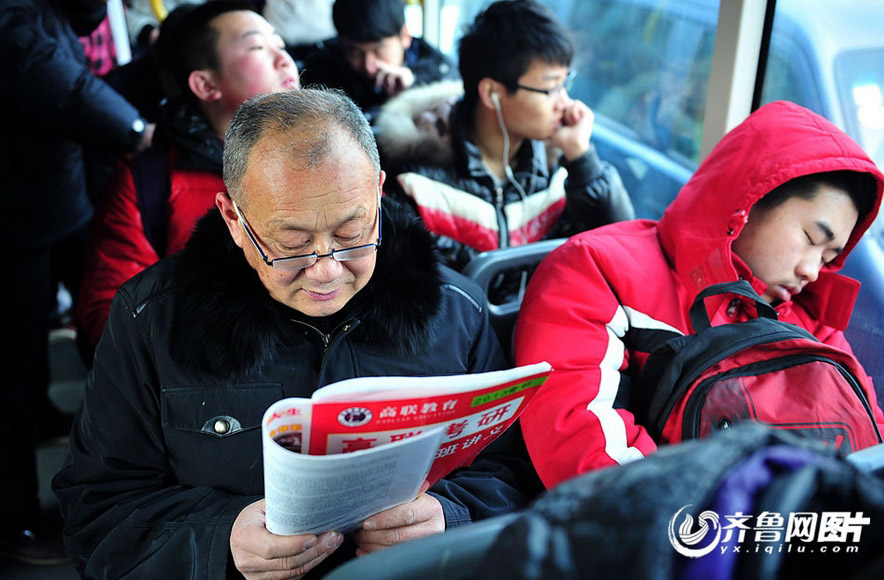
150,174
699,316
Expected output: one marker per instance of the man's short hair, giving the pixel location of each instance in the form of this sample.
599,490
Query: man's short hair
368,20
309,115
504,39
187,41
861,188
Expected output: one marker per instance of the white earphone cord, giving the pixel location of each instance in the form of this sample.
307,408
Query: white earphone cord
506,154
523,278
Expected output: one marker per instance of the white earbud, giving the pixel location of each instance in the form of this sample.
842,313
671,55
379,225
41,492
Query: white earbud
496,100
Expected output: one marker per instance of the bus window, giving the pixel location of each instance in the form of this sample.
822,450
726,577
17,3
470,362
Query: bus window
646,66
859,76
790,69
643,67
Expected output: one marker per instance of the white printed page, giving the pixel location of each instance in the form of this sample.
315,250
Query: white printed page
314,494
372,441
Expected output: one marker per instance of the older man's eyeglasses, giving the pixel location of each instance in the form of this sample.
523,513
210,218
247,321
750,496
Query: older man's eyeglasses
293,263
565,86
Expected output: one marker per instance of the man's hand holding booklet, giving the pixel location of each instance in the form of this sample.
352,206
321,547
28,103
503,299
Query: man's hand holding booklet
363,445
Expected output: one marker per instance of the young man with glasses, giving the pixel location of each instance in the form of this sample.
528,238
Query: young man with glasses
512,164
303,277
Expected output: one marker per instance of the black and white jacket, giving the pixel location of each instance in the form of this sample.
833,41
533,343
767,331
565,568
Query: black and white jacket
149,487
435,166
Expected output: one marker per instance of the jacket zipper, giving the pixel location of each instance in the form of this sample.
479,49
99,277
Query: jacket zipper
327,339
502,227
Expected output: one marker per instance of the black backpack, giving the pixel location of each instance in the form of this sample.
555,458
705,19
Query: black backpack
762,370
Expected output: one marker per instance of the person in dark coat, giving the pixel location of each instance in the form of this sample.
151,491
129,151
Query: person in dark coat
302,278
53,107
374,57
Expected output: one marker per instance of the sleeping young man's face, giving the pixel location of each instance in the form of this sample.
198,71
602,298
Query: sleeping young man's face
786,246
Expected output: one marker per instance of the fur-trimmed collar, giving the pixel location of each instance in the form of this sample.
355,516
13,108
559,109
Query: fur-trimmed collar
222,306
428,126
413,127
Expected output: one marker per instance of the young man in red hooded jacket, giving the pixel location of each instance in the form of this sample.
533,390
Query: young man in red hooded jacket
779,202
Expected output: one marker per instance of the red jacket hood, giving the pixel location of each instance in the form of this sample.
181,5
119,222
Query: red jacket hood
778,142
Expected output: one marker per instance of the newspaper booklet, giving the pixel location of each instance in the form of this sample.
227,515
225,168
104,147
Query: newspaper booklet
360,446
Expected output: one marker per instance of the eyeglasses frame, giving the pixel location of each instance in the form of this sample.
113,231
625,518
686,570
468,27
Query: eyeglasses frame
335,254
566,86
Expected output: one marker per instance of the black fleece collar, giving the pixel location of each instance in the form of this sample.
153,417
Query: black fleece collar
181,124
225,321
